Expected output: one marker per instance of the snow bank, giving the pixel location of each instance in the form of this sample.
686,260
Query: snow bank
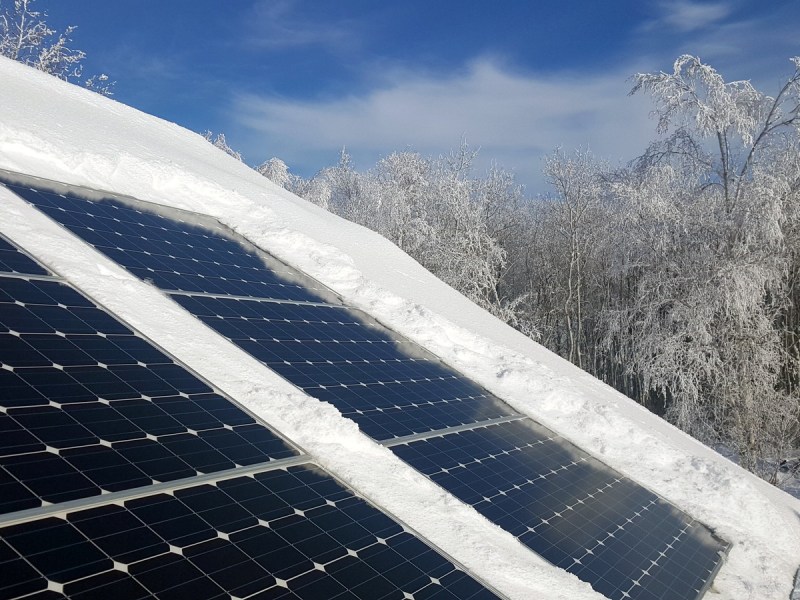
57,131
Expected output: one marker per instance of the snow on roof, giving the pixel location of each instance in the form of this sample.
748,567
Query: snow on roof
60,132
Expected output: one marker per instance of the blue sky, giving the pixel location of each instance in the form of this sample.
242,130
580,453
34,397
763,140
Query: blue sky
301,79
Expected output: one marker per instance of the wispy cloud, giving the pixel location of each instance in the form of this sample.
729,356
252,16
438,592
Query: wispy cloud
153,68
515,118
685,15
282,24
739,39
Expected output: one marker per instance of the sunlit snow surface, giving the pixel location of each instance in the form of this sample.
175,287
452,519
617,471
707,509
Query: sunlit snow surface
56,131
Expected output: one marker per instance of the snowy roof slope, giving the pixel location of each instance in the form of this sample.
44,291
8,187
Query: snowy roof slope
60,132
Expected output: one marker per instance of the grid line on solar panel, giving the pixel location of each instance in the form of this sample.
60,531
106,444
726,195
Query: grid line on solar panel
89,407
448,430
282,533
193,253
167,487
572,510
14,260
251,298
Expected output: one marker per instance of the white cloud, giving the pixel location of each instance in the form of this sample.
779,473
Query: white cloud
684,15
281,24
515,119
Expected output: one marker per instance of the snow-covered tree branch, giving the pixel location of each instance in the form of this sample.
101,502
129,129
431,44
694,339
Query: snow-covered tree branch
220,142
27,38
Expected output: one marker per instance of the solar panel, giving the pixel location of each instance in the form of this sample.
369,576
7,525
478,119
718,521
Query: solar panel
87,406
284,533
574,511
189,254
582,516
389,386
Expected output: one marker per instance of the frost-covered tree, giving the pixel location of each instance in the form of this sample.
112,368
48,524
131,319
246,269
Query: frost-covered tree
708,207
452,223
101,84
220,142
276,171
352,195
26,37
314,190
574,213
404,201
506,212
464,253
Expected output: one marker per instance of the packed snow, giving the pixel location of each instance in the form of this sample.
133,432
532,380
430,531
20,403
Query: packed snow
60,132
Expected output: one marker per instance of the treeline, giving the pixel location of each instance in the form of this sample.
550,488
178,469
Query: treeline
673,279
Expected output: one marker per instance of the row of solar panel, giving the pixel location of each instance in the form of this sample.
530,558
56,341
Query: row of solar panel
88,407
571,509
292,533
391,388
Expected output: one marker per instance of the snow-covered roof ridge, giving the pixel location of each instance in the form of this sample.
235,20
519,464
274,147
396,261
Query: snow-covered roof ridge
56,131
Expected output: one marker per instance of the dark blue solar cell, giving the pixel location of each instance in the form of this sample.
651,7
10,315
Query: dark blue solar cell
34,292
88,406
110,584
13,260
53,426
14,495
49,477
571,509
106,468
17,576
223,540
55,549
